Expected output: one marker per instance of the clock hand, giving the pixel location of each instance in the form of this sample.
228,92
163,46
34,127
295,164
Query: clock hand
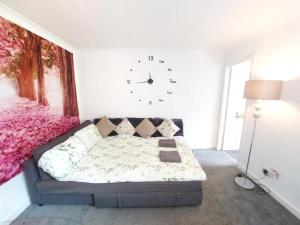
142,82
149,81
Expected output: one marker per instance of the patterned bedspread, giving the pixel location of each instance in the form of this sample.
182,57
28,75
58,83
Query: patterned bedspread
134,159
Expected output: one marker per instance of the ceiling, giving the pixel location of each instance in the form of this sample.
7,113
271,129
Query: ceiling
156,23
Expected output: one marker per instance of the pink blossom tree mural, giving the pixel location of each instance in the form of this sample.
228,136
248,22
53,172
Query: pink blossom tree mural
37,95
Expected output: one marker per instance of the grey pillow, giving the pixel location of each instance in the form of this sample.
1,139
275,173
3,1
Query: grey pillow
105,126
145,129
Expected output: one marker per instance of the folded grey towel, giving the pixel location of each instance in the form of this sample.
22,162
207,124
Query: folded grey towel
167,143
169,156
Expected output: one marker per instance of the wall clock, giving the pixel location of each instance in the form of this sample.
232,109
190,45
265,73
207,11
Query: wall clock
151,80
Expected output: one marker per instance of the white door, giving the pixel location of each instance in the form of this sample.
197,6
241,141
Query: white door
235,104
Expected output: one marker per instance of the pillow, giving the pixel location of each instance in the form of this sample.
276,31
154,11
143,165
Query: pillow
89,135
145,128
125,127
59,160
105,126
168,128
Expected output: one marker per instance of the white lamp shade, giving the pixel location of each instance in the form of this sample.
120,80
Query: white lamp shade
263,89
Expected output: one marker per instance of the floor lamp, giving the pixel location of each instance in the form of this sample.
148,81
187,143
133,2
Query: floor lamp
258,90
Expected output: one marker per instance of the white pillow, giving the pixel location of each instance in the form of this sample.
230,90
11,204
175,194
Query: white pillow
125,128
168,128
59,160
89,135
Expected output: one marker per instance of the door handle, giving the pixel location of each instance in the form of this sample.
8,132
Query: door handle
239,115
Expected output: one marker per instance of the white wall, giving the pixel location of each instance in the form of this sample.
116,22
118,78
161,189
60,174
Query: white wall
196,97
276,145
14,197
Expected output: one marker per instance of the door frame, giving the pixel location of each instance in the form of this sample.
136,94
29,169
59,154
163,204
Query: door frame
225,96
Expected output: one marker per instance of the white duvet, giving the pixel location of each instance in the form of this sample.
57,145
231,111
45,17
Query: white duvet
134,159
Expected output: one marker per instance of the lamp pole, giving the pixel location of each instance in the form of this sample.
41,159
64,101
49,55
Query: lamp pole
244,181
256,115
252,138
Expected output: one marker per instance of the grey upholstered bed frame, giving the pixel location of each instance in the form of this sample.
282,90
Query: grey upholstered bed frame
44,189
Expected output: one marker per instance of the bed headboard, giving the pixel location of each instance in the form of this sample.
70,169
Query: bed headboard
135,122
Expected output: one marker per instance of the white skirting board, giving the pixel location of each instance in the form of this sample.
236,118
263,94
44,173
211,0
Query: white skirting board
14,199
278,197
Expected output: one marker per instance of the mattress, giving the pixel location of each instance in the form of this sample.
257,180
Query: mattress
134,159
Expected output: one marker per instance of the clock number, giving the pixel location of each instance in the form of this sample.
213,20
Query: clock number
150,102
150,58
169,69
128,81
161,61
160,100
169,92
172,81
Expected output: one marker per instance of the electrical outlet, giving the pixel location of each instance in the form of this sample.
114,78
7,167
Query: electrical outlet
274,174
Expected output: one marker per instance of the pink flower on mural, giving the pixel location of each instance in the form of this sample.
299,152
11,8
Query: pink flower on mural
23,128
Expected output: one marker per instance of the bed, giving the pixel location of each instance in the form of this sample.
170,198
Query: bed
120,172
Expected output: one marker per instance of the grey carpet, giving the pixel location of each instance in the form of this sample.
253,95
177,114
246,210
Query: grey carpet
224,204
234,154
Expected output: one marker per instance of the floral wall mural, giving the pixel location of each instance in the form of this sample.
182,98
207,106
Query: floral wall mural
37,95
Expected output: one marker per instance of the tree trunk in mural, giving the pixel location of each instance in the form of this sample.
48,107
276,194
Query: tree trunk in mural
71,86
62,69
27,67
42,99
67,80
25,80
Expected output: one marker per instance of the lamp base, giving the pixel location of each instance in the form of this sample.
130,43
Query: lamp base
244,183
